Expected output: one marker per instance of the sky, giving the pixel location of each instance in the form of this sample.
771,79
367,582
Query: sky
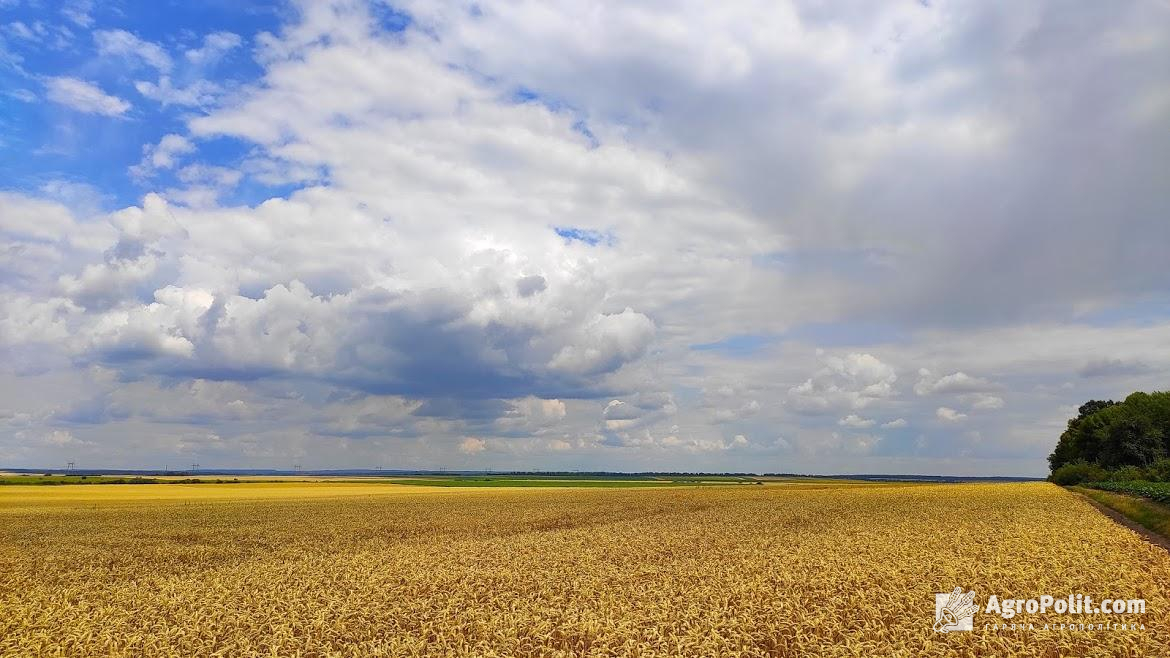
775,236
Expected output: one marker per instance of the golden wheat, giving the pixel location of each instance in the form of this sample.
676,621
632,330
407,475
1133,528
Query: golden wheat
379,570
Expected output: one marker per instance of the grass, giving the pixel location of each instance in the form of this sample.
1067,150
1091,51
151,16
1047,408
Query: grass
1146,513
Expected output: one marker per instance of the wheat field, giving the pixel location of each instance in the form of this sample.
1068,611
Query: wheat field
347,569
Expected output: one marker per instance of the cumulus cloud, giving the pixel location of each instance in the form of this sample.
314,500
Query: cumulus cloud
852,381
60,438
530,285
856,422
748,408
949,415
472,446
376,335
605,343
957,382
698,445
84,97
163,155
589,238
34,219
530,416
637,411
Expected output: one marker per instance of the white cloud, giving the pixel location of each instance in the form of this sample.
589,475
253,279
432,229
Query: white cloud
949,415
605,343
123,44
472,446
744,410
531,415
60,438
164,155
759,180
78,12
35,219
639,410
850,382
855,421
84,97
957,382
200,93
215,46
220,177
19,30
983,401
22,95
676,444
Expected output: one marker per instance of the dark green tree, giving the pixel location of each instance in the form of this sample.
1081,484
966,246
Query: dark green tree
1073,444
1112,435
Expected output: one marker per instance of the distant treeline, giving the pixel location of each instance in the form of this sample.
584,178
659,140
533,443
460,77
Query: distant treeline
48,479
1110,440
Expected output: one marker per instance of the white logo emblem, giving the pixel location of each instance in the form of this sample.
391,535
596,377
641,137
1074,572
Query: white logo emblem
954,611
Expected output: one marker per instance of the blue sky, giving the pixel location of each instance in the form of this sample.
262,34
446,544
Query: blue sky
898,238
53,142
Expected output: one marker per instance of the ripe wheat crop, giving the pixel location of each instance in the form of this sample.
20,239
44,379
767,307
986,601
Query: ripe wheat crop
378,570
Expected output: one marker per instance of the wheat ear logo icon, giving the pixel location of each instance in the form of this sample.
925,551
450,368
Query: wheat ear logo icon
956,613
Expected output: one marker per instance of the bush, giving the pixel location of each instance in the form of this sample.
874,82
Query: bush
1128,474
1160,470
1076,473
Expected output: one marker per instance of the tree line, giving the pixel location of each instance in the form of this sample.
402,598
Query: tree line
1107,440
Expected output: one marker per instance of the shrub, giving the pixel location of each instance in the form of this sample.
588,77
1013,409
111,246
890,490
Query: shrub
1128,474
1160,470
1076,473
